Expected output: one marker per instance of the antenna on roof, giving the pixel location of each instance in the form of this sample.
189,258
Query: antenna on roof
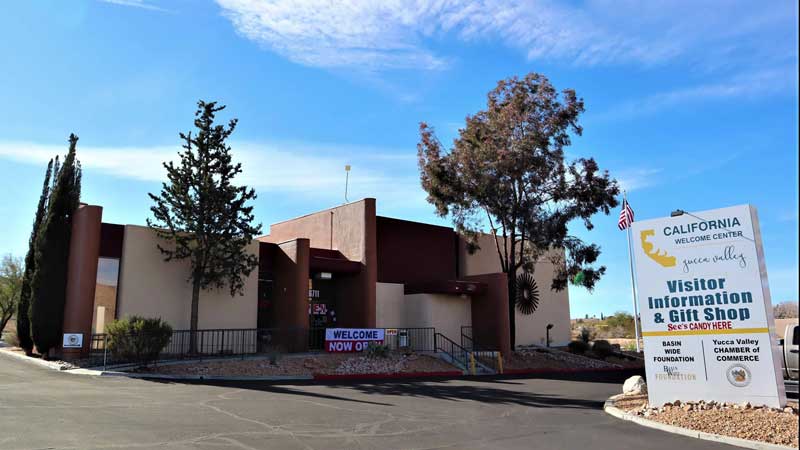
346,181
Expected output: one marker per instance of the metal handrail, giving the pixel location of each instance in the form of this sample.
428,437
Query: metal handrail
455,351
220,342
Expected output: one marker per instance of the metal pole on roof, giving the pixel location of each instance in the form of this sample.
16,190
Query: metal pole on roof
346,181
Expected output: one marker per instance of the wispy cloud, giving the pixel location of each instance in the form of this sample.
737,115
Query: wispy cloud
746,85
293,168
637,178
143,4
376,35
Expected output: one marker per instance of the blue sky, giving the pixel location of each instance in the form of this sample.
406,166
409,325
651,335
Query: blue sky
689,104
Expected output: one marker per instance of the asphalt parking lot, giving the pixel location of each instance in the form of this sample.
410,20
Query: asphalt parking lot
41,408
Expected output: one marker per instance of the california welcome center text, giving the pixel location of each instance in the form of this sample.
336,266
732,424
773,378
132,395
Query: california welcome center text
706,313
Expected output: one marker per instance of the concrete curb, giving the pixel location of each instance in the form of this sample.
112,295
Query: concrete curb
564,370
609,408
36,361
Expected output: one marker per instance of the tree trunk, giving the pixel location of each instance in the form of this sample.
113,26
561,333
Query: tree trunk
512,297
193,320
3,322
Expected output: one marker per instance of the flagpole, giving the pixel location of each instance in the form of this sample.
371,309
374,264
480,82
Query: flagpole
633,282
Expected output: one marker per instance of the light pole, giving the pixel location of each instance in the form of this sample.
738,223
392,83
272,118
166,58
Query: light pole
346,181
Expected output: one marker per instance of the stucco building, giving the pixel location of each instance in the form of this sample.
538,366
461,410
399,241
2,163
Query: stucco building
341,267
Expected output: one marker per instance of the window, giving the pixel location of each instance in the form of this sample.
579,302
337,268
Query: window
105,294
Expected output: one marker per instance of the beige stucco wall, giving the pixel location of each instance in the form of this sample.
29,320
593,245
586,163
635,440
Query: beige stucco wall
446,313
151,287
389,302
553,306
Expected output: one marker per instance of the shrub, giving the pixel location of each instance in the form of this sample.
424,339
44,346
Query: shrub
602,348
578,346
138,339
12,339
377,350
586,334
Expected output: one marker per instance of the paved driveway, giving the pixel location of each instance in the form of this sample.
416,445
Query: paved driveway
40,408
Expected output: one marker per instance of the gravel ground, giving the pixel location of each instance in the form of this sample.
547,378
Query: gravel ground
743,421
544,358
325,363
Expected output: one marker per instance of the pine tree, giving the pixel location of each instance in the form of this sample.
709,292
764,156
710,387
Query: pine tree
202,215
49,283
23,321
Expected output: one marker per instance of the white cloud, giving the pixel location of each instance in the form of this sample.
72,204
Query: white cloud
295,168
391,34
136,4
638,178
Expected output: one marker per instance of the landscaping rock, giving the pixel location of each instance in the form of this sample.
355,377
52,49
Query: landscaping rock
634,385
740,420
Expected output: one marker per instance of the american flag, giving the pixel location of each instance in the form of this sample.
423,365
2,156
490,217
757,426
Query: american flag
625,216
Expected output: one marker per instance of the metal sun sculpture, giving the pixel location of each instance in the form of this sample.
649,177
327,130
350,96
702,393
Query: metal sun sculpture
527,294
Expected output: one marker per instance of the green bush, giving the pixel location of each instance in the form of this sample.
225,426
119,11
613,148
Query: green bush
602,348
377,350
138,339
578,347
586,335
11,339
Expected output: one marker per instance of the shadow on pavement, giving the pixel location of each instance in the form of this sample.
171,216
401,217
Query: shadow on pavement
490,391
265,387
500,389
483,393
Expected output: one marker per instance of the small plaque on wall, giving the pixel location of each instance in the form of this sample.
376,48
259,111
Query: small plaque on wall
73,340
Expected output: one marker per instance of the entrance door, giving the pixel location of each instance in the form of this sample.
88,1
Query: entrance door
321,310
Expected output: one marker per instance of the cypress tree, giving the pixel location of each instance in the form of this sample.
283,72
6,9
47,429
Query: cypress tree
48,288
23,322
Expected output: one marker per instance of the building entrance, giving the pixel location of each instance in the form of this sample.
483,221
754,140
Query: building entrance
321,309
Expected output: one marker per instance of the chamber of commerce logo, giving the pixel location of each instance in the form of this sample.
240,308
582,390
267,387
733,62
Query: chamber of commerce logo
656,255
739,375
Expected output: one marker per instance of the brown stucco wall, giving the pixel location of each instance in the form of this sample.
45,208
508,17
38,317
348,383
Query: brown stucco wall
151,287
290,290
84,249
290,294
412,252
111,237
350,229
490,326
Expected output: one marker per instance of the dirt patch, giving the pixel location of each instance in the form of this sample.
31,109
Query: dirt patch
326,363
743,421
